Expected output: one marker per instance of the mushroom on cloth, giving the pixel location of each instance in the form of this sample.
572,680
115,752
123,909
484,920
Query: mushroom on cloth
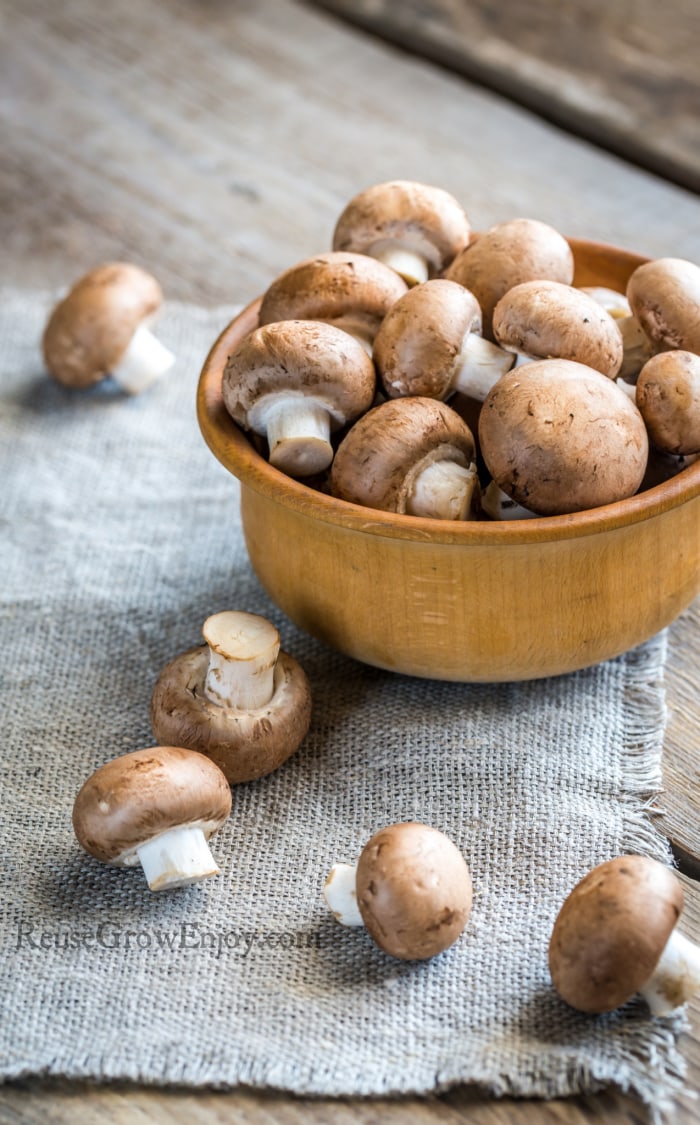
351,291
101,327
415,228
157,807
409,455
294,382
411,889
560,437
664,295
508,254
430,343
616,936
548,320
238,699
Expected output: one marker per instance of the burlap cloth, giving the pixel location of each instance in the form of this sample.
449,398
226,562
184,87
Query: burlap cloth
120,535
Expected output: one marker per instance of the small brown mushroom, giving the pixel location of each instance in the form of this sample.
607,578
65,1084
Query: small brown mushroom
408,455
294,382
668,398
101,328
351,291
237,699
560,437
665,297
415,228
411,889
508,254
157,807
430,343
615,936
547,320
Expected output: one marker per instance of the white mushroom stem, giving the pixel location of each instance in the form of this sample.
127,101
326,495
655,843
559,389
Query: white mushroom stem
637,348
500,506
176,858
630,389
409,259
676,977
243,651
480,364
143,362
341,896
298,429
444,490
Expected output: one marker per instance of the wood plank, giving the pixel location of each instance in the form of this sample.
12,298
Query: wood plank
191,139
622,75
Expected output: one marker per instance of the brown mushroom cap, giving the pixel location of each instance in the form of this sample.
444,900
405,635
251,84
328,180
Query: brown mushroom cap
509,254
418,347
244,744
668,398
302,357
350,290
405,211
665,297
91,328
414,891
136,797
611,931
560,437
379,459
548,320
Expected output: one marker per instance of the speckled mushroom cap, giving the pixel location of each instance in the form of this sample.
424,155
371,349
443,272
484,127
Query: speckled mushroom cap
665,298
380,458
560,437
414,891
418,347
91,328
404,210
611,931
351,290
668,398
301,357
138,796
548,320
244,744
508,254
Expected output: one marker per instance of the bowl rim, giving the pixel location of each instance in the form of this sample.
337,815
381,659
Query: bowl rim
233,449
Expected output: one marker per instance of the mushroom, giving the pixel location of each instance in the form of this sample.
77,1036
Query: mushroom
636,346
430,343
615,936
412,227
293,382
237,699
157,807
548,320
665,297
411,889
508,254
668,398
102,328
560,437
351,291
408,455
498,505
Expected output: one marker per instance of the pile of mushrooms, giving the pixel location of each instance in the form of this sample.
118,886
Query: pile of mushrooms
546,398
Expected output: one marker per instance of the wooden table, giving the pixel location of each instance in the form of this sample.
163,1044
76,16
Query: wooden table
216,143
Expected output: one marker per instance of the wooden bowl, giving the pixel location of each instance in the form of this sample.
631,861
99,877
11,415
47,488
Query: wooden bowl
469,601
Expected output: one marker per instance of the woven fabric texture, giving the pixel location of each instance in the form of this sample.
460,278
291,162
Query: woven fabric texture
121,534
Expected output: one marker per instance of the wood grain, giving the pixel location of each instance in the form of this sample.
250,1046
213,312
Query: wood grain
216,143
623,75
